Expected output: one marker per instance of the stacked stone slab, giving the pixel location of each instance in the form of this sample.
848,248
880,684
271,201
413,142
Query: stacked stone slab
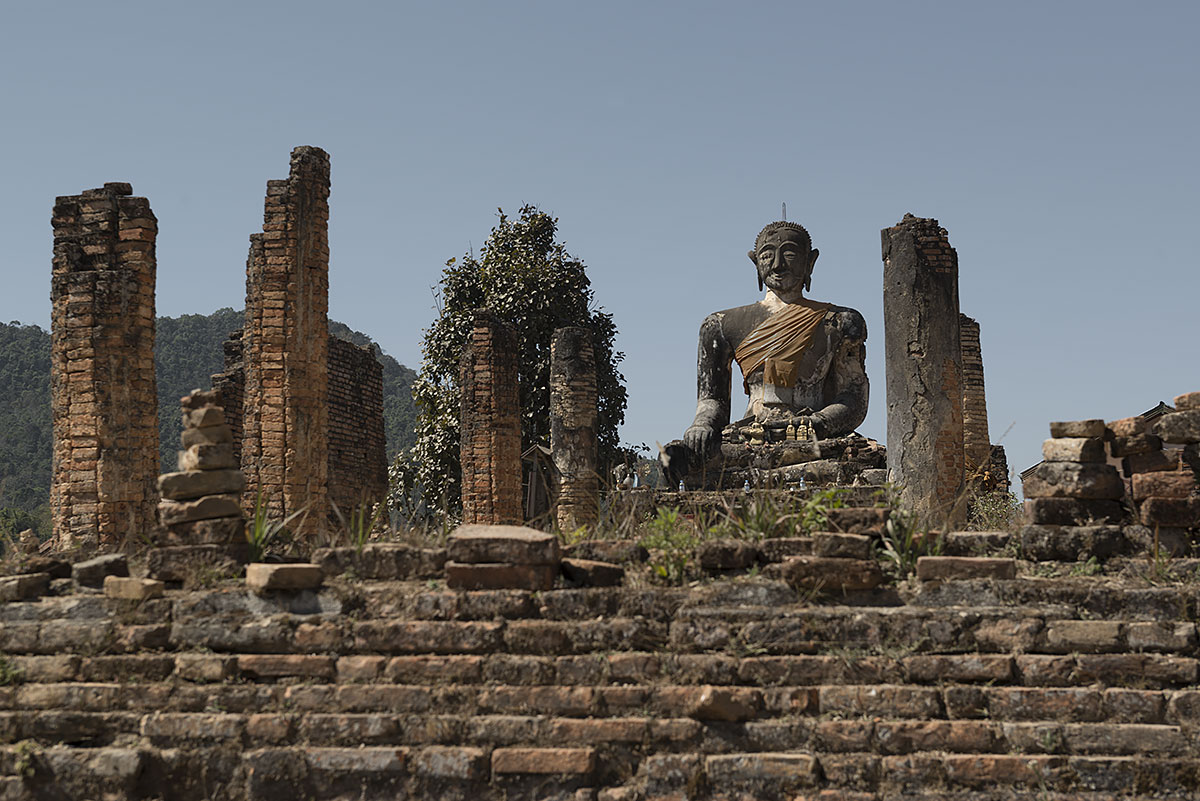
103,393
573,414
501,557
285,440
490,420
201,511
1072,493
1171,499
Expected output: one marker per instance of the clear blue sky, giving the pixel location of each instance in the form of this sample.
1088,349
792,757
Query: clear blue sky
1056,141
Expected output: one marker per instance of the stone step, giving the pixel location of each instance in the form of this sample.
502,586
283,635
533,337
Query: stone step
1090,704
1143,668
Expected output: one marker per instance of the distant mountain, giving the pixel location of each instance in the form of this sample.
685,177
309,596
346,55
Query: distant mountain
188,350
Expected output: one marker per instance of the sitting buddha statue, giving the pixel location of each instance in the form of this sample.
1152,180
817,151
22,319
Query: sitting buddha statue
802,361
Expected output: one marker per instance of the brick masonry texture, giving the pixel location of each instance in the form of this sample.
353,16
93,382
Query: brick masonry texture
357,444
573,416
924,395
103,393
491,424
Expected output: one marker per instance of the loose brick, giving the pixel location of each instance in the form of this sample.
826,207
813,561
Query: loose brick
965,668
1087,636
779,771
569,761
1073,449
132,589
1077,428
261,577
444,762
1164,485
475,544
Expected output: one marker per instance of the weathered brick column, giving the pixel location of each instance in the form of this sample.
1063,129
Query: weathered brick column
491,424
103,394
977,445
924,369
285,441
573,426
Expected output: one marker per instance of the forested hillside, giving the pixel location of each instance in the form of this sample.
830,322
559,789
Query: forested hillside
188,350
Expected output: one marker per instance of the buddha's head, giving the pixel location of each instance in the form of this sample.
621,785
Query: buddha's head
784,256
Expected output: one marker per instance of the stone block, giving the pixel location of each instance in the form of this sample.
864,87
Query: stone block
1073,449
1131,446
199,398
207,457
1077,428
24,587
197,483
1179,512
614,551
227,531
1164,485
830,575
515,545
274,666
727,554
383,561
206,508
590,573
195,562
1179,427
763,771
261,577
1072,543
1188,401
93,572
1084,636
499,576
725,703
132,589
204,417
974,543
1171,540
568,761
846,546
205,667
1152,462
213,435
1069,480
952,568
1161,636
450,762
1128,427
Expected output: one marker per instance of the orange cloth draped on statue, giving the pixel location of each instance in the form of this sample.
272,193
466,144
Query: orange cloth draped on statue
779,342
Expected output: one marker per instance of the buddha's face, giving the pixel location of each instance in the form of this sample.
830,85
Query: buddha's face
784,260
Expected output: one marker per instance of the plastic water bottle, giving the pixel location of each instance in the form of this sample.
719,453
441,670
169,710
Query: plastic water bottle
746,486
803,484
681,485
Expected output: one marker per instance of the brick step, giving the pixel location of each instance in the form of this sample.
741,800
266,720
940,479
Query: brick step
724,625
704,703
452,771
1145,670
643,735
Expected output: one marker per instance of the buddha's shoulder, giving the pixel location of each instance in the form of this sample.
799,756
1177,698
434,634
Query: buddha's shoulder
738,317
849,322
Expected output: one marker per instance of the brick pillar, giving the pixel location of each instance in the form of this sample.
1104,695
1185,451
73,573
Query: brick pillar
924,369
285,444
103,394
230,385
573,426
977,444
357,443
491,424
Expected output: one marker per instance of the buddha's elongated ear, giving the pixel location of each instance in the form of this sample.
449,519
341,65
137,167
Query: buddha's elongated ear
760,284
753,257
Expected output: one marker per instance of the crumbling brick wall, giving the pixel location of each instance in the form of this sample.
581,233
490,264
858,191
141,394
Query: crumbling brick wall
357,469
491,424
285,441
103,393
357,444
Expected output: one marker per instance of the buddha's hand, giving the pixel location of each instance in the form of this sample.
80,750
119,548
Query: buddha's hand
700,439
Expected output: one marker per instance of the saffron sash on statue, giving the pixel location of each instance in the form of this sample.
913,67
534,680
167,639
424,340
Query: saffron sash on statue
779,342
